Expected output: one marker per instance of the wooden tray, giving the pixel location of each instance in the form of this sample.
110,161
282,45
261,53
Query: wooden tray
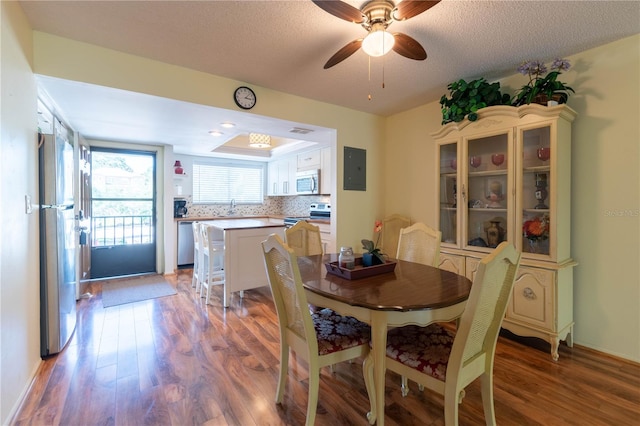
360,271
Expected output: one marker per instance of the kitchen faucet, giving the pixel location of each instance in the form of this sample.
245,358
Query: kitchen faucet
232,207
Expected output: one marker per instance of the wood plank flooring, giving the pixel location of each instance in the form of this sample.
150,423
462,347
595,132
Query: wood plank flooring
176,361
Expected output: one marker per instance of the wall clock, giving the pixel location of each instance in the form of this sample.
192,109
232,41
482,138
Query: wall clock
245,97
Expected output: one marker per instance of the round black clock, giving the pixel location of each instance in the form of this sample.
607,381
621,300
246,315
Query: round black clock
245,97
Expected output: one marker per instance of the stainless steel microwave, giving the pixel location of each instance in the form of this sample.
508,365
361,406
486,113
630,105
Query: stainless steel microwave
308,182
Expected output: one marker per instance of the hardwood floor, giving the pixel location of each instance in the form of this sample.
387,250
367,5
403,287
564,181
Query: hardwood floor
176,361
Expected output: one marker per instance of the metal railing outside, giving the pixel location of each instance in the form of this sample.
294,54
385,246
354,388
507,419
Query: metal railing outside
121,230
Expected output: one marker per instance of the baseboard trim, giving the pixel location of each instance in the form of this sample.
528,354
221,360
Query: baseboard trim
17,407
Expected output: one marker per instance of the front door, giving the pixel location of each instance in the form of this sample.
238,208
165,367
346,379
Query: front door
123,207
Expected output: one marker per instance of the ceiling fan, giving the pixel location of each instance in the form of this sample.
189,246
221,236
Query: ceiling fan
375,16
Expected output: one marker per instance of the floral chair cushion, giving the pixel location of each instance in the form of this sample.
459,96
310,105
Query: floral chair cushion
335,332
426,349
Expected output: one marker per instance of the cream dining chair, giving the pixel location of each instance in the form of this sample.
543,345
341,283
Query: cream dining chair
322,339
304,239
446,362
391,226
420,244
212,258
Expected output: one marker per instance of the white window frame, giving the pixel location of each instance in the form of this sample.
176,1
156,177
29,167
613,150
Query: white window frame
203,193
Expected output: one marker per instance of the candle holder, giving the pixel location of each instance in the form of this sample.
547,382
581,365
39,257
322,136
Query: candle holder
541,190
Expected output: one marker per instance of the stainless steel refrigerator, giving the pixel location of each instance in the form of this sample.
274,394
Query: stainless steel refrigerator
58,241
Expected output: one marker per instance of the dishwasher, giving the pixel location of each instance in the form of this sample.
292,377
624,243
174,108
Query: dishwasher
185,244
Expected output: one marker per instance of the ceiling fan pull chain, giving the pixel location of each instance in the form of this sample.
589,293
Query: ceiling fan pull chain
369,78
383,61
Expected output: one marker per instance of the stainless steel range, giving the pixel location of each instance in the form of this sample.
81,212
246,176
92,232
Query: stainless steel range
316,211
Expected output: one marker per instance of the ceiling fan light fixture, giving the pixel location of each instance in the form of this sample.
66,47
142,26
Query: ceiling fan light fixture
378,42
259,140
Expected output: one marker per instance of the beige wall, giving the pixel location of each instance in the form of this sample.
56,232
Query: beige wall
19,272
605,188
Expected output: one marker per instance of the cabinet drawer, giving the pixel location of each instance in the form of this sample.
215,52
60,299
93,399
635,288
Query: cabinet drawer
324,228
309,160
471,267
452,263
532,298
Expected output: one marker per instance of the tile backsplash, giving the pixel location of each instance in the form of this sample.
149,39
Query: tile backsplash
286,206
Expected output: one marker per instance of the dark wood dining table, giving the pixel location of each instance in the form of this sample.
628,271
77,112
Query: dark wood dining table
411,294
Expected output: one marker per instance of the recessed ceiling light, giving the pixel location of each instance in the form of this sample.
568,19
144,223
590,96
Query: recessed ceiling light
215,133
228,125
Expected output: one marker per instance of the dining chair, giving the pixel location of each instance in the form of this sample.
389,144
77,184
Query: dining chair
212,269
304,239
197,257
391,226
447,362
322,338
419,243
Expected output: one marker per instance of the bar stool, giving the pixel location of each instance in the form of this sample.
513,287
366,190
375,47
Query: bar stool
196,281
212,261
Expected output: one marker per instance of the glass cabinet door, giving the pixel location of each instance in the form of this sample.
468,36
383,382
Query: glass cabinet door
488,191
536,190
448,192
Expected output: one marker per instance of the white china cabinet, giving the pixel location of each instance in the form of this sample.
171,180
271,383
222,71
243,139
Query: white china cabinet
507,177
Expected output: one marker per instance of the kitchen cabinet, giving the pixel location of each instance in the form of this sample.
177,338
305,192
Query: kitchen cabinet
325,235
327,172
309,160
282,177
507,177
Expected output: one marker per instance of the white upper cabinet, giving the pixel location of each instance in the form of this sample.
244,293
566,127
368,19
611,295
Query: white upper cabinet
309,160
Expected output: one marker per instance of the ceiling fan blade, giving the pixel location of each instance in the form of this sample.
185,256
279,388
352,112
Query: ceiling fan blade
408,47
343,53
409,8
342,10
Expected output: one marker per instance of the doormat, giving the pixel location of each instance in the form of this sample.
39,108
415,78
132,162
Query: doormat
135,290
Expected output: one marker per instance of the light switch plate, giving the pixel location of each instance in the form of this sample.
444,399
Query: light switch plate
27,204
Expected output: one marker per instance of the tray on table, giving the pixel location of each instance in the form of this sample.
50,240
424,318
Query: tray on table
360,271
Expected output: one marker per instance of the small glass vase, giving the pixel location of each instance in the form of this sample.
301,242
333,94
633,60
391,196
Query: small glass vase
534,246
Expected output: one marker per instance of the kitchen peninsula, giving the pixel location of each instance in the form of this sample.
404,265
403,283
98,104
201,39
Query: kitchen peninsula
244,259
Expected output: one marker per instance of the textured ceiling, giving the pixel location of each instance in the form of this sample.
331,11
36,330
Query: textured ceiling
283,45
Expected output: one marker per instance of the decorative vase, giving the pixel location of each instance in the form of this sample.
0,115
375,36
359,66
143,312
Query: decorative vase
177,167
369,259
495,234
541,190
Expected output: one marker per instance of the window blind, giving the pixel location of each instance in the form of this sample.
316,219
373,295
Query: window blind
219,184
